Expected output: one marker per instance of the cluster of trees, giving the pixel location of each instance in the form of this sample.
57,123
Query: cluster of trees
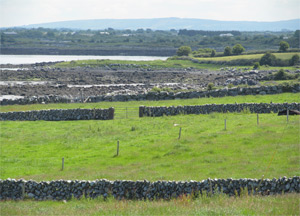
271,60
206,33
236,50
146,37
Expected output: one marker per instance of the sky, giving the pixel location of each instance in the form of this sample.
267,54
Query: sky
25,12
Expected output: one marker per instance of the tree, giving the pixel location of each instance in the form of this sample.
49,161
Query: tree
283,46
294,60
256,65
227,51
268,59
184,51
238,49
213,53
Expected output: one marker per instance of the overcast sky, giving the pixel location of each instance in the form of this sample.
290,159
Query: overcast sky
24,12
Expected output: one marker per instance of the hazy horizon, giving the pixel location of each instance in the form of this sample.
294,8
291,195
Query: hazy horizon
26,12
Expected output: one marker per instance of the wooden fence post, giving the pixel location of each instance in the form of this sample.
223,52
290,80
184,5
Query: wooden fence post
287,115
118,148
225,124
179,133
62,164
257,119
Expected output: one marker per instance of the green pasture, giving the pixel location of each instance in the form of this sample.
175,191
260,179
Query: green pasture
175,63
277,98
149,147
283,56
217,205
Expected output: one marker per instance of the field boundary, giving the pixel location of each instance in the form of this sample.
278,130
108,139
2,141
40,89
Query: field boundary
222,108
142,190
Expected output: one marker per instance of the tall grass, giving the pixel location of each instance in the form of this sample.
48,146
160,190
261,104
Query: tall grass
216,205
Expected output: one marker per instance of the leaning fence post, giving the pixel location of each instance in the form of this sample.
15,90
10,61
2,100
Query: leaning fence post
62,163
257,119
225,124
287,115
179,133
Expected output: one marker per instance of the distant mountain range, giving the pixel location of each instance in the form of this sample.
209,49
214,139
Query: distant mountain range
172,23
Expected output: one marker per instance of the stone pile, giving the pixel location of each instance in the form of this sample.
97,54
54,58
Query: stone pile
163,95
222,108
142,190
59,115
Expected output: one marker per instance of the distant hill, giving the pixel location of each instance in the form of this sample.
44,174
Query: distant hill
173,23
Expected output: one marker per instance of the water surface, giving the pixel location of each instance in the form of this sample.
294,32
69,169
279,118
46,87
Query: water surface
31,59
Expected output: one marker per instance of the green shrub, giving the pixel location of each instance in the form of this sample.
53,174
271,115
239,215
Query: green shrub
184,51
256,65
294,60
281,75
227,51
268,59
210,86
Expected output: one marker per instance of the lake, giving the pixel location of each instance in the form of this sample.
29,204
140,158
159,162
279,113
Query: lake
31,59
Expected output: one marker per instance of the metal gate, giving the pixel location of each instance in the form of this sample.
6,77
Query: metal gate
126,112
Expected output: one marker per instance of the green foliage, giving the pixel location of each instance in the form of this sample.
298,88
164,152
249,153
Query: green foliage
157,89
213,53
210,86
238,49
256,66
268,59
283,46
294,60
230,85
281,75
184,51
227,51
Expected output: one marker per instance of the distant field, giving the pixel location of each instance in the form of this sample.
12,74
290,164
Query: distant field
156,63
251,56
278,98
171,63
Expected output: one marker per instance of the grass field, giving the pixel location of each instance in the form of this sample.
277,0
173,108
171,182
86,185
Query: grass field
172,63
216,205
278,98
149,146
156,63
150,149
249,56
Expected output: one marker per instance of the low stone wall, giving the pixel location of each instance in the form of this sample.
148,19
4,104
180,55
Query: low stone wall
142,190
59,115
223,108
263,90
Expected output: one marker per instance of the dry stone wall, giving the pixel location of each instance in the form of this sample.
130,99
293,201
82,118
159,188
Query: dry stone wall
59,115
141,190
262,90
223,108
